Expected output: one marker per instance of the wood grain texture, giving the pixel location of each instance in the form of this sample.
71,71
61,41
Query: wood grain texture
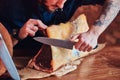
101,66
104,65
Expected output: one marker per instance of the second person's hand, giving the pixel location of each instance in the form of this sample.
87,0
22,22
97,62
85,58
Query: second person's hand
30,28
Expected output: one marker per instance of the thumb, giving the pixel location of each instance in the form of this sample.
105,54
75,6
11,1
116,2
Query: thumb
74,37
41,25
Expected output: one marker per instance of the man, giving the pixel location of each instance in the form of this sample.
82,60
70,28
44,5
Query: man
33,16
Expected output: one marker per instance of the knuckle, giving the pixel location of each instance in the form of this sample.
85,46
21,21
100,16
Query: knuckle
30,20
39,21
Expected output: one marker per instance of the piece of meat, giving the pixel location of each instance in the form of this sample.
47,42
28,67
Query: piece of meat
56,60
42,61
51,58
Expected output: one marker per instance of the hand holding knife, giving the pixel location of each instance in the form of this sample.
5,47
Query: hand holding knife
56,42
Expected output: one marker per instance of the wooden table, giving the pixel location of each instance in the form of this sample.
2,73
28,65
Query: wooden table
104,65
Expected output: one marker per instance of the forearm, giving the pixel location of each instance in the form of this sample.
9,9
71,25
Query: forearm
110,11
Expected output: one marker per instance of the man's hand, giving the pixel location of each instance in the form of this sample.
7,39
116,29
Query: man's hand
86,41
30,28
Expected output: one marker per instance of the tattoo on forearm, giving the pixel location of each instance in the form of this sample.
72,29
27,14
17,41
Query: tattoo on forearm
111,9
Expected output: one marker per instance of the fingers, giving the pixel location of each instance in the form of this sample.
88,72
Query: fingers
32,30
41,26
84,43
74,37
83,46
38,23
34,26
31,27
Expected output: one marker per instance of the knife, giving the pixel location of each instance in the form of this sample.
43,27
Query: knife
7,60
55,42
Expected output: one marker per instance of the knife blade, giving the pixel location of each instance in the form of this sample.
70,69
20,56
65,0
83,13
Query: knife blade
7,60
55,42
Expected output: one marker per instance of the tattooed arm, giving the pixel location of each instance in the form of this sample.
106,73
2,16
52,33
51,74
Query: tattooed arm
110,11
88,40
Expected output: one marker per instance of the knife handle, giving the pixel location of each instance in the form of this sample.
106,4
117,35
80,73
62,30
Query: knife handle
95,46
